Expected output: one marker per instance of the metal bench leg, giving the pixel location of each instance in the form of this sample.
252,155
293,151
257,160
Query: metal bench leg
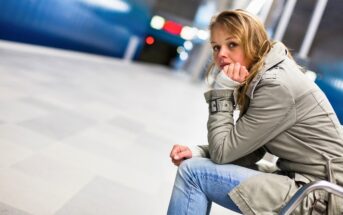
305,190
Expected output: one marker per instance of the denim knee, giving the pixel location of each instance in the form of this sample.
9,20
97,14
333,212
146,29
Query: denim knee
189,168
186,171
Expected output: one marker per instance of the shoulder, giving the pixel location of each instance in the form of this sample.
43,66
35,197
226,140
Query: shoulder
272,89
272,79
277,75
271,75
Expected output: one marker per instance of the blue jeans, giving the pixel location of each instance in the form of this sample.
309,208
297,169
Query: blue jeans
199,182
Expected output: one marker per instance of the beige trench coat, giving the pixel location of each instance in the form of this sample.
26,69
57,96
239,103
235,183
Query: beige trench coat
289,116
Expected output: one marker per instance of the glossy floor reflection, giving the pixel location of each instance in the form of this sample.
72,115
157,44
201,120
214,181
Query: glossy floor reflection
83,134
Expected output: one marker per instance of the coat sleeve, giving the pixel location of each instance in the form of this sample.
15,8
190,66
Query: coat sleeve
270,112
248,161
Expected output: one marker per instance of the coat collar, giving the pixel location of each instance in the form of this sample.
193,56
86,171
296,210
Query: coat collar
277,54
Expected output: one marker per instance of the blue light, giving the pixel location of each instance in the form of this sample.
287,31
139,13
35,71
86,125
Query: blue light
115,5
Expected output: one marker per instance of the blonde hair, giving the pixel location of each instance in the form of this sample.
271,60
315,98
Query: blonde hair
251,36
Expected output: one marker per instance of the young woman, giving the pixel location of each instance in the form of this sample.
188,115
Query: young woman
282,112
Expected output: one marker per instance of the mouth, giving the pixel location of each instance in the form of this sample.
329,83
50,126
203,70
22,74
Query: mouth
223,64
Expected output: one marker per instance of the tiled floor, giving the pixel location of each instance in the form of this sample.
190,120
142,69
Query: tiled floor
90,135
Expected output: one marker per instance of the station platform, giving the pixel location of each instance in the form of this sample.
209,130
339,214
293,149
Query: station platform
85,134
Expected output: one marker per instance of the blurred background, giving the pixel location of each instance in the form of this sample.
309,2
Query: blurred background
174,32
94,93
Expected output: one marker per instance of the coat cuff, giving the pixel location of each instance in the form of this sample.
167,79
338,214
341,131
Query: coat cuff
198,152
225,82
215,94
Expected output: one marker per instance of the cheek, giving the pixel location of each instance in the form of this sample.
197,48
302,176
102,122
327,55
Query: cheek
243,61
216,59
246,62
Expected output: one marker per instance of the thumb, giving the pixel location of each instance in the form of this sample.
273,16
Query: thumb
184,154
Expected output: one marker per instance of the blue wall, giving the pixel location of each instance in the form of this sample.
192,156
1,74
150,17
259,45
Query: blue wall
74,24
330,80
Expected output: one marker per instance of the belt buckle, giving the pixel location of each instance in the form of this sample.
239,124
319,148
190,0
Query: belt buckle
213,106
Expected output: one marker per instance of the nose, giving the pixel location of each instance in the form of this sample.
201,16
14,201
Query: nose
223,53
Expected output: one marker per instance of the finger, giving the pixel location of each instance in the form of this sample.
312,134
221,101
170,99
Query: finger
236,70
225,69
175,150
187,153
177,163
230,70
184,153
243,73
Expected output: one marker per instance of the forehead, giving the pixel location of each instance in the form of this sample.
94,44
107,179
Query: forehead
220,33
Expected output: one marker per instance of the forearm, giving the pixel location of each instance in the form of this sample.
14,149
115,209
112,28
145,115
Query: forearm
229,142
250,160
220,123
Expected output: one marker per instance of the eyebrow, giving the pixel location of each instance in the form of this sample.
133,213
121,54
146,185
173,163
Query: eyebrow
228,38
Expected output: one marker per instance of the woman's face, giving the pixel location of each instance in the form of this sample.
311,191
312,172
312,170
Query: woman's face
226,49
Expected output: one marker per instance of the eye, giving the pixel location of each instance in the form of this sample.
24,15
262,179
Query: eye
232,45
215,48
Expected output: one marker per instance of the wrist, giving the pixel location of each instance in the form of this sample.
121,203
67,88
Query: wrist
223,81
197,151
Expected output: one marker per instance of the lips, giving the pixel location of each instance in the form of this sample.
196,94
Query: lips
223,64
